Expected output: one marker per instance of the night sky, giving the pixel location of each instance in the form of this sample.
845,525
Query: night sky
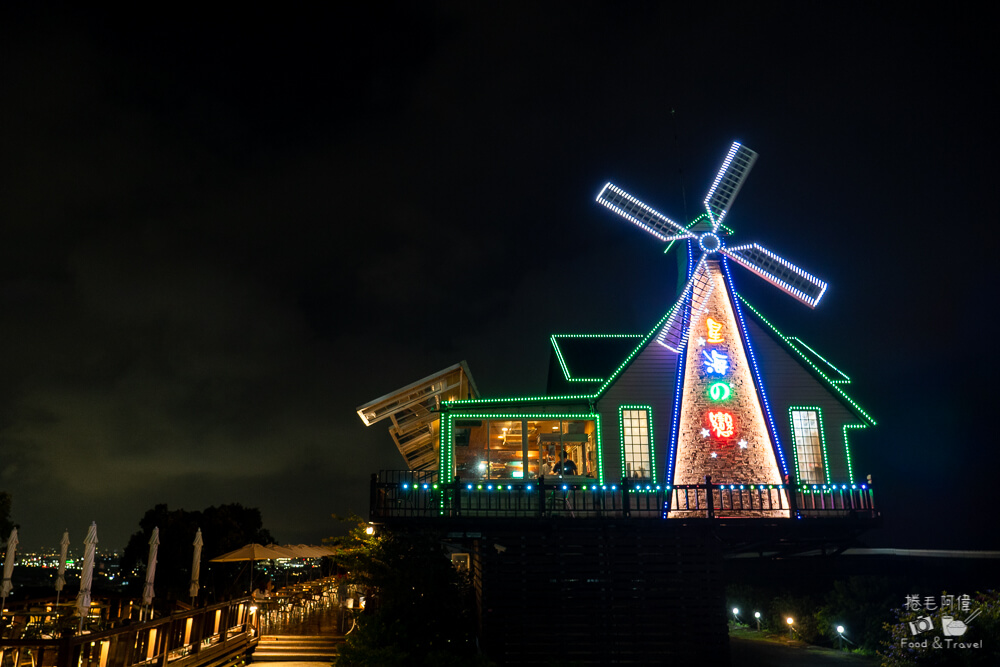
221,233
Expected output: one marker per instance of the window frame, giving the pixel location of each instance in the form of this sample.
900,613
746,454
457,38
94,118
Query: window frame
648,409
818,411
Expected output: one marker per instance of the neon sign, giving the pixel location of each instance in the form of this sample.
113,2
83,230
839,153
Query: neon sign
722,424
714,330
716,362
719,391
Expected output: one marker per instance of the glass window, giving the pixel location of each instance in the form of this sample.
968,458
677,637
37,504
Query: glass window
808,446
524,448
636,443
564,447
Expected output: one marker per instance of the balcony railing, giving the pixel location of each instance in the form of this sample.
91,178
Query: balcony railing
207,635
406,495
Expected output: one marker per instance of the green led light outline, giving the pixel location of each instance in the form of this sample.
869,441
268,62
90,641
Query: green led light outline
816,368
571,397
850,467
562,361
798,341
447,454
692,224
642,344
822,437
649,427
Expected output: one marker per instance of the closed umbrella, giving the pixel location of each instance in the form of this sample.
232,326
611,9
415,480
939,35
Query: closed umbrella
61,578
196,565
87,575
147,590
8,566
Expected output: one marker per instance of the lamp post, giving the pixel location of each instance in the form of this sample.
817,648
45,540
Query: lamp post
756,615
736,615
790,621
840,636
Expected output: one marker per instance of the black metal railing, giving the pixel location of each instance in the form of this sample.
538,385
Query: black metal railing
400,495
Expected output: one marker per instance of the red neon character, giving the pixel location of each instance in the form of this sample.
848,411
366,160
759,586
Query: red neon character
722,424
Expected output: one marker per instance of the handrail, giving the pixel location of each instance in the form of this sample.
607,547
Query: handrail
183,639
401,496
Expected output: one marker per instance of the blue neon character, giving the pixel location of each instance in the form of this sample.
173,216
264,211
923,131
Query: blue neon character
716,363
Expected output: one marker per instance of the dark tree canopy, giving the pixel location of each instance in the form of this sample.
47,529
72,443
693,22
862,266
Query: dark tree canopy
6,525
223,529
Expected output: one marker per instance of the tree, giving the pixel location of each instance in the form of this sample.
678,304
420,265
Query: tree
6,525
418,609
223,529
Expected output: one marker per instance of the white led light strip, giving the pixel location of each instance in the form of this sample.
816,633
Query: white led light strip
722,172
679,231
748,264
701,275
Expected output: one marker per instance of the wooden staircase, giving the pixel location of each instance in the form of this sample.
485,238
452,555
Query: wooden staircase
297,648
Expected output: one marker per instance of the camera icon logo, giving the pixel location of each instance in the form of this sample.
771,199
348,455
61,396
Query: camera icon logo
922,624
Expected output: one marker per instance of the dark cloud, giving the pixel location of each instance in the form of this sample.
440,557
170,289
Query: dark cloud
222,233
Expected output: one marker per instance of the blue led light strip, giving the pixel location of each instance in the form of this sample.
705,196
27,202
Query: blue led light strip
753,364
819,371
678,386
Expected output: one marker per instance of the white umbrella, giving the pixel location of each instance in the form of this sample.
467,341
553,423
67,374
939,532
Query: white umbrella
196,565
87,575
61,578
8,565
250,552
147,590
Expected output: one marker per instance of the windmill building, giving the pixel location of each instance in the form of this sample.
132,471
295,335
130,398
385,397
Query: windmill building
651,456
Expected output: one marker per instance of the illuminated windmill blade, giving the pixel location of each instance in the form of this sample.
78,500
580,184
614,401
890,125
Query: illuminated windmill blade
689,307
638,213
728,182
781,273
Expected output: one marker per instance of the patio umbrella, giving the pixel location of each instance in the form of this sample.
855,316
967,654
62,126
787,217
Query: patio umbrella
8,566
61,578
196,565
249,552
289,552
147,590
87,575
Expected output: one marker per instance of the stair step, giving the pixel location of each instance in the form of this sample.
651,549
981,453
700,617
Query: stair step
297,648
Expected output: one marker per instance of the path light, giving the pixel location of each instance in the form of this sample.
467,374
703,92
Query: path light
840,636
370,529
736,614
756,615
790,622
